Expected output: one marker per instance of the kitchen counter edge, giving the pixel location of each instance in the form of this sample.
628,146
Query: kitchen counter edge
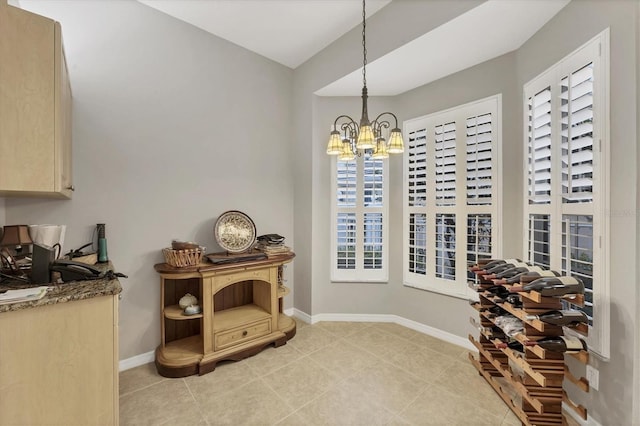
62,293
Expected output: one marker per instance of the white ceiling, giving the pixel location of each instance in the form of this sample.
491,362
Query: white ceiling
487,31
286,31
292,31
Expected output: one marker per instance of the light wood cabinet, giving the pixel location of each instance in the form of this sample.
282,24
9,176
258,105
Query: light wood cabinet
241,314
35,107
59,364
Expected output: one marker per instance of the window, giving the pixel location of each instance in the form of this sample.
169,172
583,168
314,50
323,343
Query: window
360,217
566,136
451,200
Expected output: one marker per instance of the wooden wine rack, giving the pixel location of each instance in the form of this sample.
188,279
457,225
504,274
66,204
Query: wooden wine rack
531,384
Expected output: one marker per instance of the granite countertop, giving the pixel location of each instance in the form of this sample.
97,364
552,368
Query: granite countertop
64,292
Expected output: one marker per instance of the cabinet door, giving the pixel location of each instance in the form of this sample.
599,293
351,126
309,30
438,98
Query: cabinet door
63,160
59,364
34,115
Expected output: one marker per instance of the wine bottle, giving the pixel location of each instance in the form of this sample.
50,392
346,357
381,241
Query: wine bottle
552,286
482,263
495,311
514,345
508,273
560,344
561,317
499,268
492,273
514,299
511,325
493,332
493,263
518,278
498,291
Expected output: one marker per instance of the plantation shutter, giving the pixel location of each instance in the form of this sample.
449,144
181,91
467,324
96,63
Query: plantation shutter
539,240
540,147
478,241
359,251
445,164
445,255
417,243
479,160
373,182
346,238
577,135
346,192
451,179
417,167
373,231
577,255
346,184
416,172
568,225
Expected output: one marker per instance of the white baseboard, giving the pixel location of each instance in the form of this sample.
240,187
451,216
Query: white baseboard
589,422
148,357
135,361
303,316
414,325
435,332
353,317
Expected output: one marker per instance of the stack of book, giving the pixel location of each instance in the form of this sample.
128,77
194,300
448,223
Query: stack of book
272,245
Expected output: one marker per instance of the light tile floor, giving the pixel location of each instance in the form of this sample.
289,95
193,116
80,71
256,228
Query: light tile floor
330,373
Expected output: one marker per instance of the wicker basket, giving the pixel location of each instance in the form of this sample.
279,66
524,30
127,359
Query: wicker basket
182,258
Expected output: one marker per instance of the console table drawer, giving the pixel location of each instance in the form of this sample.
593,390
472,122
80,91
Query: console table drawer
242,334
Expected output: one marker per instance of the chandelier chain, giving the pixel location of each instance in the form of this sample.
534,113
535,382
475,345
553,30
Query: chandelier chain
368,135
364,45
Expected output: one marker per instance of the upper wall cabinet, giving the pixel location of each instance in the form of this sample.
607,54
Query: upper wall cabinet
35,107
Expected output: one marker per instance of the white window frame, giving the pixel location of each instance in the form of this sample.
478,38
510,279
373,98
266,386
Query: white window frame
359,273
597,51
459,287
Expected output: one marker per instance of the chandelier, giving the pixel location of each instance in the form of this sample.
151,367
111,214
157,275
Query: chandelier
349,139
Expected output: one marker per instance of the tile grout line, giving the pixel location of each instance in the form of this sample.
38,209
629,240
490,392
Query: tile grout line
195,400
266,383
342,337
323,392
164,379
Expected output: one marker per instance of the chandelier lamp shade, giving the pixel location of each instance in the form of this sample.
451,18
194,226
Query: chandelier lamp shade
348,138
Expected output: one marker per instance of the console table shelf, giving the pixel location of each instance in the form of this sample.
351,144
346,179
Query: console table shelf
175,312
241,314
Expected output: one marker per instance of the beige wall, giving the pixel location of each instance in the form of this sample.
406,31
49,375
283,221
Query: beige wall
172,127
573,26
636,393
409,19
487,79
153,95
493,77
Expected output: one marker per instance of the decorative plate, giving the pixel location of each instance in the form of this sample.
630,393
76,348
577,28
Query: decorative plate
235,231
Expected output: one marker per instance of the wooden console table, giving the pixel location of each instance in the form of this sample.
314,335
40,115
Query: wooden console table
241,314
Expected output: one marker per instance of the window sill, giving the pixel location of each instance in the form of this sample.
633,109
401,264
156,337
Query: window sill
351,281
464,294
